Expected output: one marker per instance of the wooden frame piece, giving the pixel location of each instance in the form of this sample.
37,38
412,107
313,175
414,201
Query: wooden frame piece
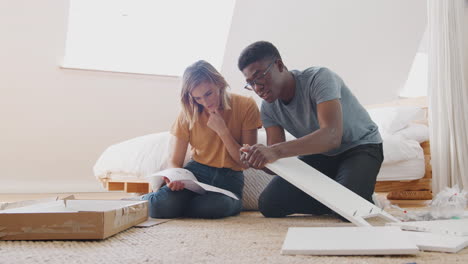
129,186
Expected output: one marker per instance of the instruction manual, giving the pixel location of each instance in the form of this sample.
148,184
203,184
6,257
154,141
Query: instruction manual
190,181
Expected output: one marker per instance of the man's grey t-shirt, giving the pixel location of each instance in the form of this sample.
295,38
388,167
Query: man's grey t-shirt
299,117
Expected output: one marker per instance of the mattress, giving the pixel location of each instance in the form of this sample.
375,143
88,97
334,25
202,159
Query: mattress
406,170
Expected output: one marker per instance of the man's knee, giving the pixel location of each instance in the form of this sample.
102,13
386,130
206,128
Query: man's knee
266,206
363,189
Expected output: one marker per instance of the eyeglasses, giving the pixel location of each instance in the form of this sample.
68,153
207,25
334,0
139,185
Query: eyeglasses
250,85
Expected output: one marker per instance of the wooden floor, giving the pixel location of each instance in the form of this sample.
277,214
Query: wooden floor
9,197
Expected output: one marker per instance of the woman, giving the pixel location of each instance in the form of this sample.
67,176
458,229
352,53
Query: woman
216,124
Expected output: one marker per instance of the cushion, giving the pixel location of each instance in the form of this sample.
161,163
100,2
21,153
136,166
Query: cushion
396,148
392,119
417,132
255,182
135,158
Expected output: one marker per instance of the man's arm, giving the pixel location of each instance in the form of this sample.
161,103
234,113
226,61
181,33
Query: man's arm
275,135
326,138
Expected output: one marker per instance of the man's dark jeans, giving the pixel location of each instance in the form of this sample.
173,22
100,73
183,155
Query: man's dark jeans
356,169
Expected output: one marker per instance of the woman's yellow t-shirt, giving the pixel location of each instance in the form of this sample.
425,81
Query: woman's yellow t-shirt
206,146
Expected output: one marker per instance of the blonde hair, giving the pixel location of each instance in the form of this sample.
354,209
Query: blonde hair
196,74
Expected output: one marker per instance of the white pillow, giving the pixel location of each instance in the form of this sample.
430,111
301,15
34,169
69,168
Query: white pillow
396,148
418,132
135,158
255,182
393,119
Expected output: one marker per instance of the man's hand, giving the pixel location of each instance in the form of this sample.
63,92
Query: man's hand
175,185
216,123
257,156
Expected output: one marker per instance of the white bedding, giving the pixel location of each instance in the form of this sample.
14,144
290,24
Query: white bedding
403,154
406,170
403,158
135,158
144,155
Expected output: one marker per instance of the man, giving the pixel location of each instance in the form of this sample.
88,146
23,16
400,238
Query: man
335,134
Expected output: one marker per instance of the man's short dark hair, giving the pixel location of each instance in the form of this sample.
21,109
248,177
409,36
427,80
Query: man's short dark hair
257,51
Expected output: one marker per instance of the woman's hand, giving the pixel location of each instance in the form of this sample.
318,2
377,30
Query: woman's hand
216,123
243,156
175,185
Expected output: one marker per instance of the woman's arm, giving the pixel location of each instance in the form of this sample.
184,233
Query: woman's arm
178,152
176,160
275,135
247,137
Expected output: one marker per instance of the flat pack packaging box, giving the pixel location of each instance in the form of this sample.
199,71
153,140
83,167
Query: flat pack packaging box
69,219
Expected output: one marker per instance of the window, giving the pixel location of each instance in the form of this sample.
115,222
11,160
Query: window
146,36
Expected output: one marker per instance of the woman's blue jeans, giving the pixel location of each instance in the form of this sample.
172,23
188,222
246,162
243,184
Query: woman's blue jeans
166,203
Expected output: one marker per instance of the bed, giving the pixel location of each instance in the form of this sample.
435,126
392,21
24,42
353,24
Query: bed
405,173
409,179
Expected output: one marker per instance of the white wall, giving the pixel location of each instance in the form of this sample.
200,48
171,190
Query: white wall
54,123
371,44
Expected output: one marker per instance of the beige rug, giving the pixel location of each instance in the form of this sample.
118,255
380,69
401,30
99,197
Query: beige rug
248,238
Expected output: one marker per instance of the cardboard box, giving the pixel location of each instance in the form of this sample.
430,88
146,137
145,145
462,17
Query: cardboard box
69,219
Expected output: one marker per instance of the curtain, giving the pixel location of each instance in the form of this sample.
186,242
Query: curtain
448,95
